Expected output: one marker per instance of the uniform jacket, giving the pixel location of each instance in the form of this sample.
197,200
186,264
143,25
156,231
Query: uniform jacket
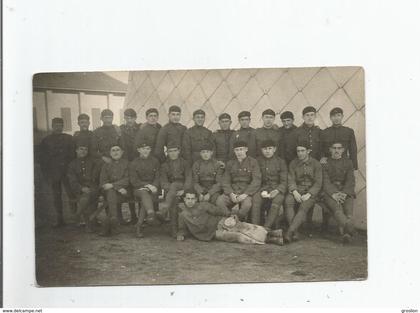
343,134
147,133
193,140
262,134
103,139
244,177
222,140
312,135
207,176
305,176
175,171
144,171
274,174
247,135
83,172
338,175
286,141
115,173
128,135
170,133
85,136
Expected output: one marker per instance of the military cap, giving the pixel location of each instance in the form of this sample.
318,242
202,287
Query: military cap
143,143
83,116
151,110
335,111
107,112
207,146
244,114
268,143
287,114
116,145
130,112
224,116
240,143
57,120
308,109
199,112
172,145
304,144
174,108
268,112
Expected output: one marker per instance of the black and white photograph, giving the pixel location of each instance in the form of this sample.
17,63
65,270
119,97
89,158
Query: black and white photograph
200,176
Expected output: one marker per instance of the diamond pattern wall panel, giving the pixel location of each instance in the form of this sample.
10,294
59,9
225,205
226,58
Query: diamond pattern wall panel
234,90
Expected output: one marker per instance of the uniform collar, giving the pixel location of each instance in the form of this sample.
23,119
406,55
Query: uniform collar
300,162
308,127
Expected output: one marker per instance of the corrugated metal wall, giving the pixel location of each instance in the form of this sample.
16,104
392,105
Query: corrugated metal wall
231,91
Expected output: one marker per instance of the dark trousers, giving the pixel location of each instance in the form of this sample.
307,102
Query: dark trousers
260,204
85,203
56,188
224,202
171,202
341,212
114,200
147,202
295,219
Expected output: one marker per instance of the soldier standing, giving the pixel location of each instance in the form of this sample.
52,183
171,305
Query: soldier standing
244,133
222,139
84,134
148,131
56,152
286,130
170,134
269,131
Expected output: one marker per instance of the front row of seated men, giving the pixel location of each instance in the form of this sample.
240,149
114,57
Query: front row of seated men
254,190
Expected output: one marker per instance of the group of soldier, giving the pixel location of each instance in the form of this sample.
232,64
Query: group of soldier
261,176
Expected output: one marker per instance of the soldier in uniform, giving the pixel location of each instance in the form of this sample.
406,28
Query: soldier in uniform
148,131
241,180
83,176
244,133
269,131
338,188
84,133
305,183
114,181
222,139
273,187
338,132
144,178
56,152
170,134
129,131
207,175
286,130
194,137
175,177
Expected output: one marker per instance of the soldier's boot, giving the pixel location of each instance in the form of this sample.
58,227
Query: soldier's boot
276,240
276,233
59,222
133,215
88,226
120,217
139,230
287,237
106,228
325,221
115,226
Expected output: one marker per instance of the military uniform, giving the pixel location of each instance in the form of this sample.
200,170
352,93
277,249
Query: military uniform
175,175
192,141
147,133
83,172
240,178
312,135
343,134
84,136
128,134
305,177
262,134
247,135
338,176
222,140
144,172
286,140
170,134
207,178
103,139
274,177
56,152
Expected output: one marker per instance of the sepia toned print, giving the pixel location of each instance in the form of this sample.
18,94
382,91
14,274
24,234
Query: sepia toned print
200,176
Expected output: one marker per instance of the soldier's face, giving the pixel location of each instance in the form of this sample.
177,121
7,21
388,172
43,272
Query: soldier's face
107,120
190,199
336,150
268,120
174,117
206,154
173,153
84,124
224,123
245,121
129,120
152,118
309,118
240,152
199,119
57,127
144,151
336,118
302,153
116,153
81,152
268,152
287,122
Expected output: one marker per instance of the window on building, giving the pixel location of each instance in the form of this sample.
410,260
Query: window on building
66,116
96,118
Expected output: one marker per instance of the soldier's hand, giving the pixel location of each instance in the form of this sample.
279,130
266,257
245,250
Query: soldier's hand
323,160
152,188
106,159
342,197
233,197
221,164
274,193
306,196
242,197
122,191
297,196
336,197
107,186
206,197
180,193
85,189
